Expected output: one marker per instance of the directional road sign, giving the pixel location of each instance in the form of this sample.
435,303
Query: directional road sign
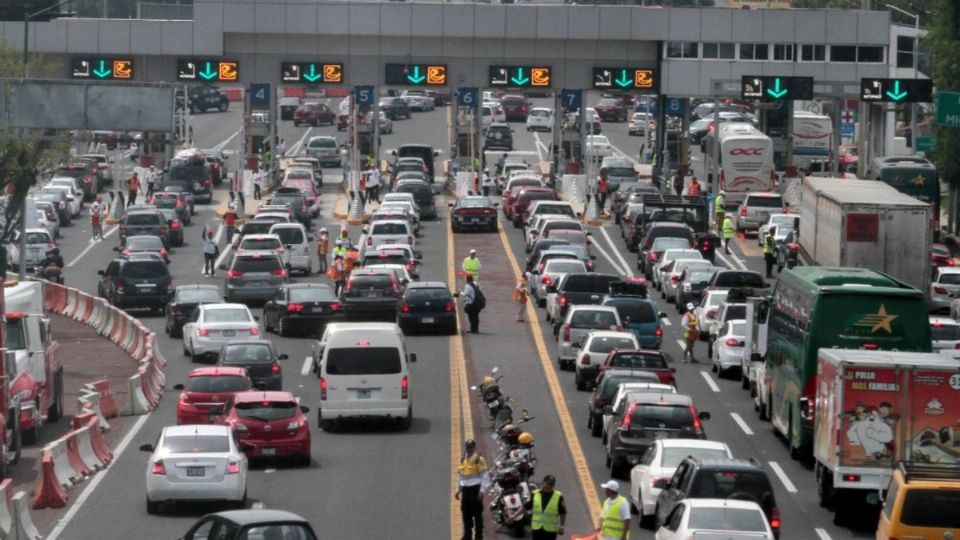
312,72
571,99
86,67
925,144
468,96
207,70
877,90
259,96
363,95
519,76
624,78
948,109
416,74
773,88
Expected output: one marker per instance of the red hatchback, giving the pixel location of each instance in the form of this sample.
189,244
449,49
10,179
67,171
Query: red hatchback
515,108
522,202
313,114
206,392
272,423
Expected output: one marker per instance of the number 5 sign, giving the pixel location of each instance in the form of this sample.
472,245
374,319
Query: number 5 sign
363,95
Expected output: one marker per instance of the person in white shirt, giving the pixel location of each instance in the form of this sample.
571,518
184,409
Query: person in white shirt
487,182
615,514
373,184
257,183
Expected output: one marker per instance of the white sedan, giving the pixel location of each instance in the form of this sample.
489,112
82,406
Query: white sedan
598,147
728,347
722,518
213,325
195,463
707,311
418,100
386,124
788,220
657,466
74,202
540,119
552,272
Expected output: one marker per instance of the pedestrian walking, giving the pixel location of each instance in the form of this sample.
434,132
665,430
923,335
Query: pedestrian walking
257,183
473,302
487,182
210,252
615,514
694,188
151,181
678,183
97,213
362,187
471,265
728,233
548,511
603,188
230,221
472,481
719,209
373,185
133,186
323,247
520,296
769,250
691,332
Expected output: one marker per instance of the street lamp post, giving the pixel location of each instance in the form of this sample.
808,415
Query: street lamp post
26,30
916,71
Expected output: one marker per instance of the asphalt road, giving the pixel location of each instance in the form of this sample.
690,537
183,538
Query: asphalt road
372,482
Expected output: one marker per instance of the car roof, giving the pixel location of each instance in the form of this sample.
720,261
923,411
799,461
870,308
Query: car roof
723,503
949,270
262,236
254,516
251,396
213,371
609,334
727,463
196,429
662,398
428,285
591,307
942,320
224,305
692,443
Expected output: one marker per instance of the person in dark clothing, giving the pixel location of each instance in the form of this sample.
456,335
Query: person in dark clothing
470,304
549,522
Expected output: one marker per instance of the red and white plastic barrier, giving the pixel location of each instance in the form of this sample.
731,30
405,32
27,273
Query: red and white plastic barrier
108,406
48,492
25,528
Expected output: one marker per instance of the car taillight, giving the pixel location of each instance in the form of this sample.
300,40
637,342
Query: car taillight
176,309
179,203
369,240
940,290
275,368
851,478
294,308
775,519
125,253
296,425
566,332
255,331
163,252
281,272
233,274
202,331
589,265
627,418
563,301
654,257
207,181
175,225
674,279
405,308
546,280
697,426
404,387
323,388
658,332
120,283
585,360
731,342
233,467
743,211
336,306
540,267
158,467
88,180
163,229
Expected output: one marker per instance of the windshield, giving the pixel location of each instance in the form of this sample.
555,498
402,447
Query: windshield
564,267
36,238
950,279
267,411
144,243
286,531
662,416
621,171
16,337
247,353
312,294
188,172
588,283
226,315
144,270
389,228
639,312
663,244
603,320
265,264
672,456
931,508
607,344
218,383
727,519
322,143
198,296
260,243
425,294
945,332
143,219
363,361
700,276
289,235
256,227
735,312
196,444
721,484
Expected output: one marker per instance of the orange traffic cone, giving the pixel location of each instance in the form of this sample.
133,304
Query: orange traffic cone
741,235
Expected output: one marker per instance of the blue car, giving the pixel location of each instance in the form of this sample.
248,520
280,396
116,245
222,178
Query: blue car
637,312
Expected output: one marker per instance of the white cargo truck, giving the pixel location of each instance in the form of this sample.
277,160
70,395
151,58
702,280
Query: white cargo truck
866,224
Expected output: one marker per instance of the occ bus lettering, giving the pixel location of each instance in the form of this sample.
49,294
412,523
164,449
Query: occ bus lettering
746,152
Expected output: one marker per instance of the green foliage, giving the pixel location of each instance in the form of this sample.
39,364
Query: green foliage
943,44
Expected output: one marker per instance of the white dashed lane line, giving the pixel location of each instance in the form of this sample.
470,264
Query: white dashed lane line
713,386
822,534
740,422
307,364
782,476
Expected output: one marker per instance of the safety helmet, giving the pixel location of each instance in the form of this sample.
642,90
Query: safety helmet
323,229
488,380
511,434
508,477
344,231
525,438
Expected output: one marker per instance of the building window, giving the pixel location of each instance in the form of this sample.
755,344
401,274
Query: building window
813,53
683,49
843,53
870,54
719,51
783,52
905,52
753,51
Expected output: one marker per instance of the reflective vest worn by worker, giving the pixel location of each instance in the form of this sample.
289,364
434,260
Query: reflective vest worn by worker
691,329
728,230
612,525
547,519
323,245
718,204
340,250
471,265
768,245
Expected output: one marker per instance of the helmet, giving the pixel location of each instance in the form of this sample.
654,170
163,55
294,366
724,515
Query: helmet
508,477
510,434
488,380
344,231
525,438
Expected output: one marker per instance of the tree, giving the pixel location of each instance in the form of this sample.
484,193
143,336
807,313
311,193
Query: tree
943,44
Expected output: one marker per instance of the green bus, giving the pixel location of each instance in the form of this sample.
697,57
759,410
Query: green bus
814,307
911,175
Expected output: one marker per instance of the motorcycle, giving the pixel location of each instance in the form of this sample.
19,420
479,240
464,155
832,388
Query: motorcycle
493,399
51,273
511,493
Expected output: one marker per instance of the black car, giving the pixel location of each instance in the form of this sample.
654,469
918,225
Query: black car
146,222
729,279
788,251
144,244
423,195
246,524
371,295
294,199
260,360
186,196
85,171
134,283
172,201
612,110
192,174
605,390
628,194
699,478
301,306
185,299
427,305
498,137
287,106
205,98
394,107
646,418
473,212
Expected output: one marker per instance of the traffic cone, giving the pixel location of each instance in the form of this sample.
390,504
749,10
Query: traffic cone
741,235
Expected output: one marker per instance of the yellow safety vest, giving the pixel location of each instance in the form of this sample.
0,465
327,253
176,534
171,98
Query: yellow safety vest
340,250
768,245
472,466
718,204
611,524
728,230
547,518
472,267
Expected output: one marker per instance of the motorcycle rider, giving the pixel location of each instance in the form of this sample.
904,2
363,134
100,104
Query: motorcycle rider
51,267
472,481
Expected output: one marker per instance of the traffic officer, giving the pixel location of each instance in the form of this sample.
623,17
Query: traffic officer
769,250
230,221
133,186
719,208
548,511
728,232
471,265
615,515
486,182
323,247
339,249
472,481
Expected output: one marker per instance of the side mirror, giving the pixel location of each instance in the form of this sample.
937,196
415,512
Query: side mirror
661,483
436,153
413,357
283,357
146,447
450,205
593,257
256,318
304,409
551,289
663,315
589,233
178,386
704,415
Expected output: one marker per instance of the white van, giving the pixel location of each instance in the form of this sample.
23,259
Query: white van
296,242
364,372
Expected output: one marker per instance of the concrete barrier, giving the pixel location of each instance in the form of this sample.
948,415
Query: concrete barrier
138,400
89,400
25,528
108,405
73,456
48,492
6,514
85,448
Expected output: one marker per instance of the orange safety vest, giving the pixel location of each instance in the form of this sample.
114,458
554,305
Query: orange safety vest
133,184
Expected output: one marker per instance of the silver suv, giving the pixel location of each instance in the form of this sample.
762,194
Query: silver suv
254,277
325,149
756,209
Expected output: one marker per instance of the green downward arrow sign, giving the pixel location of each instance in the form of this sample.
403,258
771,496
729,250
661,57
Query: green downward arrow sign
416,77
776,92
103,72
519,79
312,75
208,72
623,81
896,95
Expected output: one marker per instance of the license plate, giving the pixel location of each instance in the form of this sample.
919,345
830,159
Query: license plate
363,394
474,221
268,451
317,309
144,286
764,215
195,471
372,295
229,333
427,320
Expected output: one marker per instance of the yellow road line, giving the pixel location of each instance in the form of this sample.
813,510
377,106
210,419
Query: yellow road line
461,417
569,433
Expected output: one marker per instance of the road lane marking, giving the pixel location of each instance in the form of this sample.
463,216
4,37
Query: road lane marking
92,243
307,365
732,264
665,321
782,476
587,485
97,478
539,145
713,386
681,344
616,251
299,143
613,263
461,419
740,422
822,534
226,141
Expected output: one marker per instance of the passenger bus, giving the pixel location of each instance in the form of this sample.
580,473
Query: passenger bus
744,162
814,307
912,175
812,138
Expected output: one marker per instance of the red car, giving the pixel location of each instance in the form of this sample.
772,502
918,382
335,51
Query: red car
848,157
515,108
206,392
523,200
611,110
272,423
940,256
313,114
643,360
